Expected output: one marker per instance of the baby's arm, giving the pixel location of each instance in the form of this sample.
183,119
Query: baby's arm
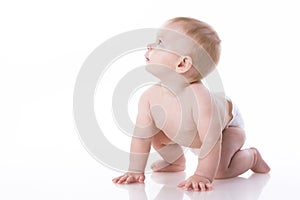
205,172
140,143
209,129
139,152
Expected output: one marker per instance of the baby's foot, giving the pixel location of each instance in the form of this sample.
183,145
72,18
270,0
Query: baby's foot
260,165
163,166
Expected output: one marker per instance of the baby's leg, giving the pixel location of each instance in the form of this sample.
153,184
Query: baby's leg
235,161
172,154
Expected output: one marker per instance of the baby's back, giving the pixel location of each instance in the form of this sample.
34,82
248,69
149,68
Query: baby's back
174,114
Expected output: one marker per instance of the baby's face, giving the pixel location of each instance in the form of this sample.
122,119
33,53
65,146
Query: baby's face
170,45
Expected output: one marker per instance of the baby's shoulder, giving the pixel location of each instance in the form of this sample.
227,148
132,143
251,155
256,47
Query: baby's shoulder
151,92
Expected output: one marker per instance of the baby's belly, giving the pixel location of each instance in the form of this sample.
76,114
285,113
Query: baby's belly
187,138
179,128
183,138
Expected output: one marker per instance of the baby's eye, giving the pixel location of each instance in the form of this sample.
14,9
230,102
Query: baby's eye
158,42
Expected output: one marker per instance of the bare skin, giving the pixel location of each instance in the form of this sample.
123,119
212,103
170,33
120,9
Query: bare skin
180,113
230,160
130,178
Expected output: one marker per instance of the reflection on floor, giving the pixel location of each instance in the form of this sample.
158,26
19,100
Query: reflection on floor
236,188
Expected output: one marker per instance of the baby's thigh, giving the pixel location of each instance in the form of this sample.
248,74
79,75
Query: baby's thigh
233,138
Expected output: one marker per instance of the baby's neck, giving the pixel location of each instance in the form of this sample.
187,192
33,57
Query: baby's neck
175,84
171,81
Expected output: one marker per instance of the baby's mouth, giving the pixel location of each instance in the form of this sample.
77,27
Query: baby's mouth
147,57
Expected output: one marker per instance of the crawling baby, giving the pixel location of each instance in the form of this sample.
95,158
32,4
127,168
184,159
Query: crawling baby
180,111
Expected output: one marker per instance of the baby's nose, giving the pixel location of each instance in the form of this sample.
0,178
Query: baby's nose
150,46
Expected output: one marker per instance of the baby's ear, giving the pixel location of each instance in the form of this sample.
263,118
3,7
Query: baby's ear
185,63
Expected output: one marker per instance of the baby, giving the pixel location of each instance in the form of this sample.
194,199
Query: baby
181,112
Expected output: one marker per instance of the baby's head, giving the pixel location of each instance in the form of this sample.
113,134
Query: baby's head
191,47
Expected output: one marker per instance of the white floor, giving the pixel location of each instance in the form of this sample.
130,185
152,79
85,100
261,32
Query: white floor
93,181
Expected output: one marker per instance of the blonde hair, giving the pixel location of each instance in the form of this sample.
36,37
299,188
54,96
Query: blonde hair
204,35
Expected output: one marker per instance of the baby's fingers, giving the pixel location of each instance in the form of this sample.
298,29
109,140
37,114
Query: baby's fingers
182,184
195,186
141,179
208,186
202,186
133,179
188,185
122,179
115,180
130,179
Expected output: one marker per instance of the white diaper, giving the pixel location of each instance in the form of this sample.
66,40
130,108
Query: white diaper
237,120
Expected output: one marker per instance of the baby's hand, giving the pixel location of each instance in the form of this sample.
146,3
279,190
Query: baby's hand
197,183
128,178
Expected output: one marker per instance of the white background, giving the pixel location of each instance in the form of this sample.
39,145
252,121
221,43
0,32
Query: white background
44,43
